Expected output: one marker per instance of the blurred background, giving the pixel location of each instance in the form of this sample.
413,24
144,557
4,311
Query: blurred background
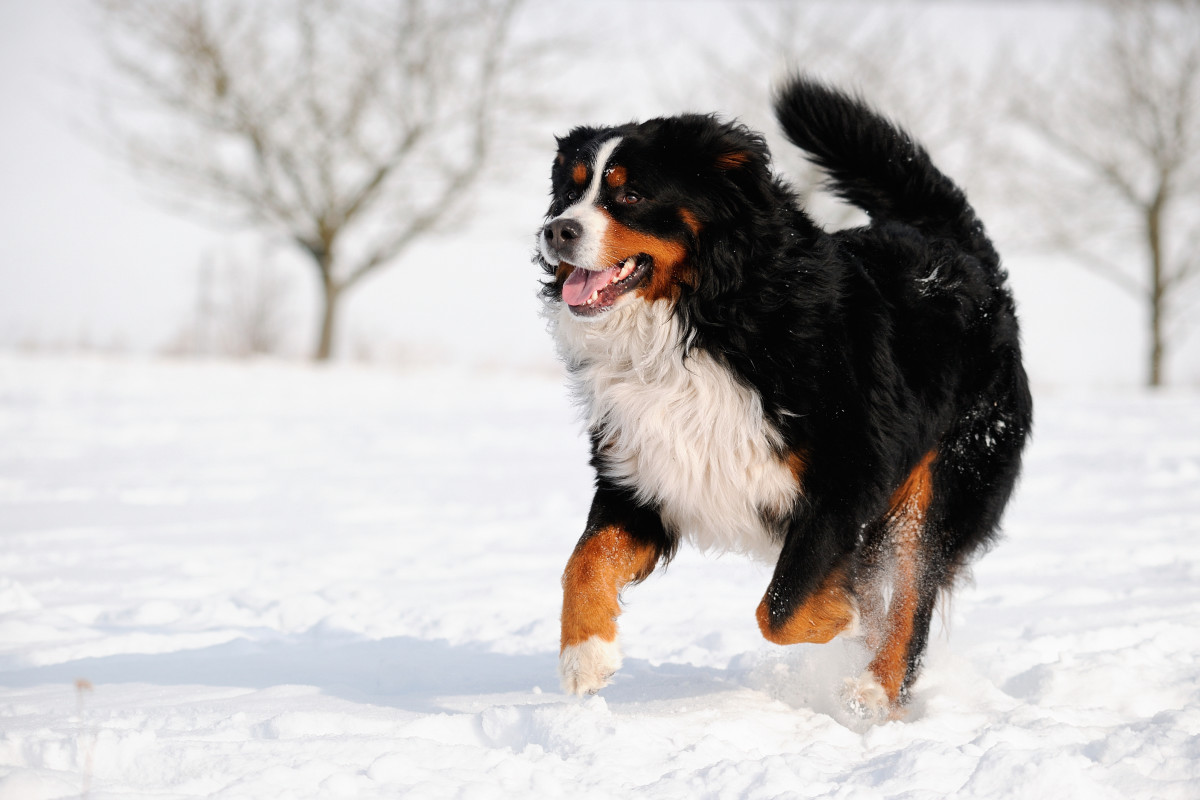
307,179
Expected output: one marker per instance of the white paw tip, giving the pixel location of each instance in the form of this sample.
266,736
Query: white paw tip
586,668
866,699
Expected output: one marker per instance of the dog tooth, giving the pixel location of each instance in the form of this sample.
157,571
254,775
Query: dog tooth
627,267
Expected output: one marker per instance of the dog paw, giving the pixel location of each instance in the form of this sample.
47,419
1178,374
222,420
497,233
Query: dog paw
866,700
586,668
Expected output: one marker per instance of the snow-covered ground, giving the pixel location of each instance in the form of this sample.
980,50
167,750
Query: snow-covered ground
268,580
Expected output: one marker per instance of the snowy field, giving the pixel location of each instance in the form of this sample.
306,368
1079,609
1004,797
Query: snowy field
278,581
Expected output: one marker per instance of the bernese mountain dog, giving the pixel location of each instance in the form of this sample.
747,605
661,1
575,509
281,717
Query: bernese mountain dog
850,405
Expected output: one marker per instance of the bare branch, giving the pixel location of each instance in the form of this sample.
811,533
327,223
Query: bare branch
1109,169
313,118
1123,112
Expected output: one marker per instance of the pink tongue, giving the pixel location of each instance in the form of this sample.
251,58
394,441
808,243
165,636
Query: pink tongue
582,282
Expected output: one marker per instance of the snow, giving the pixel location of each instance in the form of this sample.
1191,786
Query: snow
269,580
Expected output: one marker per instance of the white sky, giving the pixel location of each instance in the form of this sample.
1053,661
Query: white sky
87,257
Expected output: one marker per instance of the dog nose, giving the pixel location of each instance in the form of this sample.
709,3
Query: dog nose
561,231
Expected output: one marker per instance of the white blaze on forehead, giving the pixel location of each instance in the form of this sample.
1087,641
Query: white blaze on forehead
586,213
603,154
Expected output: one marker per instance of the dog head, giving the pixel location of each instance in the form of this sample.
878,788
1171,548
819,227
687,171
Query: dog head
650,212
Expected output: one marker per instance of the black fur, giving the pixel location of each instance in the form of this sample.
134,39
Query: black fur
869,347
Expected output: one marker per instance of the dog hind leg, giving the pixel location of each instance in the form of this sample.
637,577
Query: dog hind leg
898,635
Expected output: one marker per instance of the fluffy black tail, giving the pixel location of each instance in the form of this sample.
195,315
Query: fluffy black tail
876,165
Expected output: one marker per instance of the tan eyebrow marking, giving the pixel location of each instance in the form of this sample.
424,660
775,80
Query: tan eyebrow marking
616,176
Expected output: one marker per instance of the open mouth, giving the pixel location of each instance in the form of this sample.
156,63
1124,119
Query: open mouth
591,292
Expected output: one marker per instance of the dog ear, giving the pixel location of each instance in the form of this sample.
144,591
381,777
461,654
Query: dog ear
735,148
732,159
740,203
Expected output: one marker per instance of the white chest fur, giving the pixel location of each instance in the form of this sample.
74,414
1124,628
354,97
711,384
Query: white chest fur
684,434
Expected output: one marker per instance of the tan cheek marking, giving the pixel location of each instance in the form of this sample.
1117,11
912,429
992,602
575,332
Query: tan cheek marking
823,616
596,572
621,242
579,173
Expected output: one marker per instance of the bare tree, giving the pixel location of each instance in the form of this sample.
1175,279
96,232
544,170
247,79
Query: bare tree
1121,118
350,128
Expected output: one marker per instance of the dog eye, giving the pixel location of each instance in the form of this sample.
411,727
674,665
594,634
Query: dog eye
572,196
629,198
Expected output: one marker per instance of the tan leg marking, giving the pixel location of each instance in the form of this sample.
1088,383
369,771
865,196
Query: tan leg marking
596,572
891,660
906,521
825,614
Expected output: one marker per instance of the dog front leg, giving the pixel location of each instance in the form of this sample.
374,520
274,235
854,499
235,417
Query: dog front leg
622,544
810,598
830,610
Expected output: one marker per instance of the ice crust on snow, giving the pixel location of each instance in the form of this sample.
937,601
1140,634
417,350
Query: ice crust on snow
275,585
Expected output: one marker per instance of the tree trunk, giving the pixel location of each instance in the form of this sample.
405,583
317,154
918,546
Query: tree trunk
330,295
1156,344
1158,290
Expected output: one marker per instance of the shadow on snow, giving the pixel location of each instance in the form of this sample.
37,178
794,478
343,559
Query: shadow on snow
403,672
